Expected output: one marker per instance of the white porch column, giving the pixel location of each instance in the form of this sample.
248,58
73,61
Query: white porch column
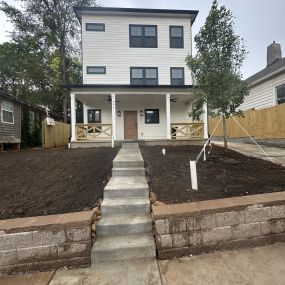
168,118
85,118
73,116
205,109
113,96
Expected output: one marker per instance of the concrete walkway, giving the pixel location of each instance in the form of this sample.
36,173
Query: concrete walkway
277,154
254,266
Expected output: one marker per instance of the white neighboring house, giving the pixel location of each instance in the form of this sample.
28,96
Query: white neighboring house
136,85
267,87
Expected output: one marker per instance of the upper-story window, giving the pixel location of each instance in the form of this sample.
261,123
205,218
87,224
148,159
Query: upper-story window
144,76
7,112
96,69
280,94
176,36
143,36
177,75
95,27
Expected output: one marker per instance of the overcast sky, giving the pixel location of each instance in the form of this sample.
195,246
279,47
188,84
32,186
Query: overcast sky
259,22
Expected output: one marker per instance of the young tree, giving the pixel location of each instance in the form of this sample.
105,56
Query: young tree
217,65
52,23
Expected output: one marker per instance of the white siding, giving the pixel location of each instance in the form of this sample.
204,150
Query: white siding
111,49
263,95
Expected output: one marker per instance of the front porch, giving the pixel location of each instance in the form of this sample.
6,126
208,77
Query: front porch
109,118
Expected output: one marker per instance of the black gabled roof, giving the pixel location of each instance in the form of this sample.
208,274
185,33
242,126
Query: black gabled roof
192,13
279,64
84,86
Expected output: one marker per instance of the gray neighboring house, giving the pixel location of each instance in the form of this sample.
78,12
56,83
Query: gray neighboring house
267,87
10,120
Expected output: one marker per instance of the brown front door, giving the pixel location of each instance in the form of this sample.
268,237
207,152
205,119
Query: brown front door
131,125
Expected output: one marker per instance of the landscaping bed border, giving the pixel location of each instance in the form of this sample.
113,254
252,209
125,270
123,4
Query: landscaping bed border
45,242
206,226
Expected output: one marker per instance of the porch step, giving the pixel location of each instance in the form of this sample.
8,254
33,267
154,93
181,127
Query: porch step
126,187
117,225
128,171
127,158
125,206
115,248
130,145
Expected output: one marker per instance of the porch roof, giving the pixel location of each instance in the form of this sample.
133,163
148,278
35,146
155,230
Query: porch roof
120,87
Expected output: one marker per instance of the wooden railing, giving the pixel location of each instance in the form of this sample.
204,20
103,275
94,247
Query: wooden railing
93,131
187,130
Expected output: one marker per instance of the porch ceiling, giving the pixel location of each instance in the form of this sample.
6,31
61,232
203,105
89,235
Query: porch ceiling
91,98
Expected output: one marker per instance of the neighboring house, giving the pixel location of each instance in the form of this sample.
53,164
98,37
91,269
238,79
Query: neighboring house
20,122
10,120
136,85
267,87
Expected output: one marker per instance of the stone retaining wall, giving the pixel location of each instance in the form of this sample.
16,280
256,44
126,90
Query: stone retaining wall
47,242
194,228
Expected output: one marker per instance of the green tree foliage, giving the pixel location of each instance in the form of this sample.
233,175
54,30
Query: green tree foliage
46,32
217,65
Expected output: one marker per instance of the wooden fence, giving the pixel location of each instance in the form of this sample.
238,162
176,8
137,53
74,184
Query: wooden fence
267,123
55,136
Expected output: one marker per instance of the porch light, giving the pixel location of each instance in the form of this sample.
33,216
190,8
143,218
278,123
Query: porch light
141,113
119,113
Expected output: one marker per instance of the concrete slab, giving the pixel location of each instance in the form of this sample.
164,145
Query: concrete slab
123,273
277,154
255,266
38,278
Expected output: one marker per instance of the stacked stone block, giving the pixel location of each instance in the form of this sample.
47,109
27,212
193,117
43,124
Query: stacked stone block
43,243
220,224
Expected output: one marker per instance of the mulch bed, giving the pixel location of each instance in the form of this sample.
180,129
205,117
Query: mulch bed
218,177
56,181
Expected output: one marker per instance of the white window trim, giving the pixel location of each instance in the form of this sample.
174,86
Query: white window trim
275,102
2,109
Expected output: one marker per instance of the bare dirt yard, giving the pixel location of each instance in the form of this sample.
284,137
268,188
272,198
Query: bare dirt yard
218,177
56,181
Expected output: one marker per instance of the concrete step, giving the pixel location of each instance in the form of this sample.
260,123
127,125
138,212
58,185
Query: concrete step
130,145
125,206
117,225
126,187
128,247
128,171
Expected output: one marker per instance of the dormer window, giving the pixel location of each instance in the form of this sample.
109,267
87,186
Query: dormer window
176,37
95,27
143,36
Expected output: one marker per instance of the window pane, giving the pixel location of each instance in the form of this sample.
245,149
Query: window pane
8,106
150,31
177,73
176,32
152,116
150,73
96,69
176,42
150,42
136,41
137,73
95,27
280,90
136,31
7,116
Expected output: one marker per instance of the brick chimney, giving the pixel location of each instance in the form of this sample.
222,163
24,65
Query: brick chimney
274,53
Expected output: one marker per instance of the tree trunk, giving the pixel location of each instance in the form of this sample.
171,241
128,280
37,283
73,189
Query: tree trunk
225,135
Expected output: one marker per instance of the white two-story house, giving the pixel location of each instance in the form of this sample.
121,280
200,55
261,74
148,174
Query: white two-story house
136,85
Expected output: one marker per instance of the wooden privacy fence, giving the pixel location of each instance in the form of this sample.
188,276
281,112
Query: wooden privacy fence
55,136
267,123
